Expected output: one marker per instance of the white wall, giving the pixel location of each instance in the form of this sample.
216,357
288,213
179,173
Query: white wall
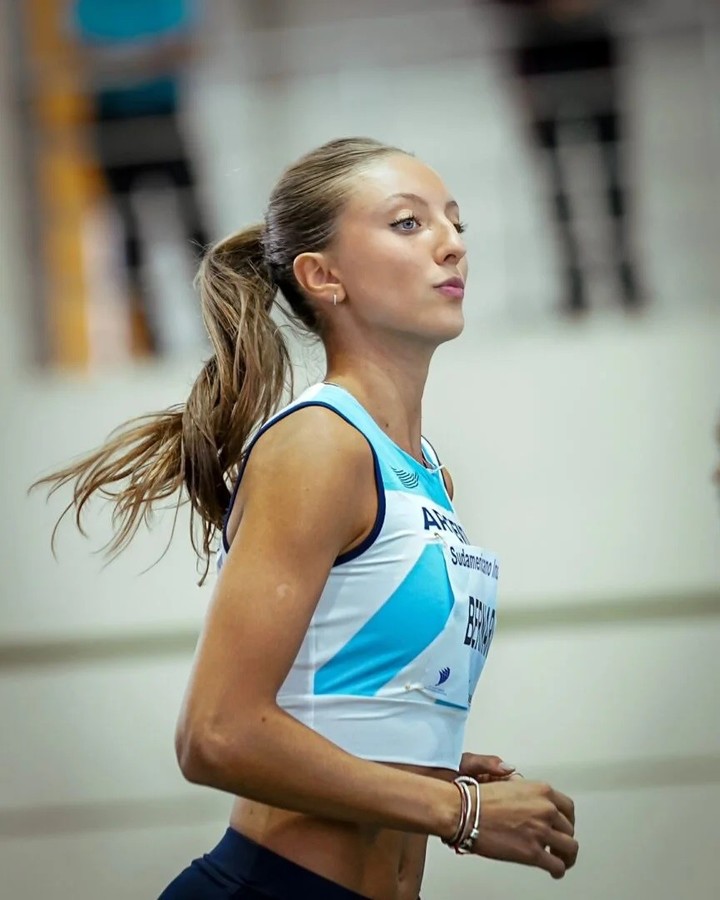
581,453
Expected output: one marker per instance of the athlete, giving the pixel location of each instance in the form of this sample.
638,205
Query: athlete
352,615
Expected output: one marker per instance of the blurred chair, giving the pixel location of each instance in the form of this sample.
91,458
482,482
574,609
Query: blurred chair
565,56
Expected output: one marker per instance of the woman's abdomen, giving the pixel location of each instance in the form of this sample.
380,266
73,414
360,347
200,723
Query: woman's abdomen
380,863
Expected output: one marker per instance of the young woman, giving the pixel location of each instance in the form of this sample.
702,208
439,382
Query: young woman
351,617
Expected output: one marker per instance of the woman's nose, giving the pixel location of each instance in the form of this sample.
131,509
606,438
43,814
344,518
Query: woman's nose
450,244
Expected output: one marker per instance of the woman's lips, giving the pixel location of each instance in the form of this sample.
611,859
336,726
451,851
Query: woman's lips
452,289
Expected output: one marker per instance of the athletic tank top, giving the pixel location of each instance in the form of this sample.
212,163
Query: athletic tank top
402,629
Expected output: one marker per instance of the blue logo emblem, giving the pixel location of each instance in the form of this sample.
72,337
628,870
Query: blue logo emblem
444,675
408,479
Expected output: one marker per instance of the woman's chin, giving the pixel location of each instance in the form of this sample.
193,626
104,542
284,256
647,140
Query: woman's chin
453,328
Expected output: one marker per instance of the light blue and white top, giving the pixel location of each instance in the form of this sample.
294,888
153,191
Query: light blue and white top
402,629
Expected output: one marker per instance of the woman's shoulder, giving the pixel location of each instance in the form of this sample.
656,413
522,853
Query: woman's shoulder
312,434
310,466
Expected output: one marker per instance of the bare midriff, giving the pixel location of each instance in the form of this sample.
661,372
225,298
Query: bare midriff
379,863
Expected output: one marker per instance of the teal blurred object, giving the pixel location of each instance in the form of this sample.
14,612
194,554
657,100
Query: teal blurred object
117,25
120,21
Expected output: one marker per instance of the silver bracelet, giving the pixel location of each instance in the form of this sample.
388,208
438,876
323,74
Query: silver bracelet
467,841
465,816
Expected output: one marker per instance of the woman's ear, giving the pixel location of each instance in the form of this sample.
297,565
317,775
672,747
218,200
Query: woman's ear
316,278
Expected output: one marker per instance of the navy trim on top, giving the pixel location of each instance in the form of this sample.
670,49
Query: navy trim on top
367,542
233,496
380,517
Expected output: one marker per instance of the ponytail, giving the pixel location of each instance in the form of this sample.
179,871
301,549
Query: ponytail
196,447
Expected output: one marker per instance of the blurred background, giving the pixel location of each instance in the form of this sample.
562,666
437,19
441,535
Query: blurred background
577,412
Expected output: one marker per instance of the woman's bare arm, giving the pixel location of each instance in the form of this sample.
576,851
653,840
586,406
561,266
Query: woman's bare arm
307,494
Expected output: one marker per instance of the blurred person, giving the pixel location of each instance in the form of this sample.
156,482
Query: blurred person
136,54
351,618
566,57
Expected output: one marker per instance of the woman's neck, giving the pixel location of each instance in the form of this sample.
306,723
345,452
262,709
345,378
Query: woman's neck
390,393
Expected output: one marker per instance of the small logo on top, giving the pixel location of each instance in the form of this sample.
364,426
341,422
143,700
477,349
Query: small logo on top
444,675
408,479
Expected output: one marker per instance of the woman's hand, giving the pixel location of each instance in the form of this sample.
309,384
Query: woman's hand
485,768
527,822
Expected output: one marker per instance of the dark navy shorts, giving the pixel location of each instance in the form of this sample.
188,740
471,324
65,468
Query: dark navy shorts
240,868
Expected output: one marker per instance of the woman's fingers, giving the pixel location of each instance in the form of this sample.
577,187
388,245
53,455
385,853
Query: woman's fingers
560,823
549,862
564,804
484,767
562,846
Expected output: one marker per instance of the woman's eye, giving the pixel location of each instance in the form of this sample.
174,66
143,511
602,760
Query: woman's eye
406,223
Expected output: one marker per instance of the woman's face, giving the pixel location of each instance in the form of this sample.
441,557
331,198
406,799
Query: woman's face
399,252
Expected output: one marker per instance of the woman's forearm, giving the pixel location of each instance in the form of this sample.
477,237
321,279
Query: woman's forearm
279,761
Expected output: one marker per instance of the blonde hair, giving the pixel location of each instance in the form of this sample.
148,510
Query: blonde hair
195,448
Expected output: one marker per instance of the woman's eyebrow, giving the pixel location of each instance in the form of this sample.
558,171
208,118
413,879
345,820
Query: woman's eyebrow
418,199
